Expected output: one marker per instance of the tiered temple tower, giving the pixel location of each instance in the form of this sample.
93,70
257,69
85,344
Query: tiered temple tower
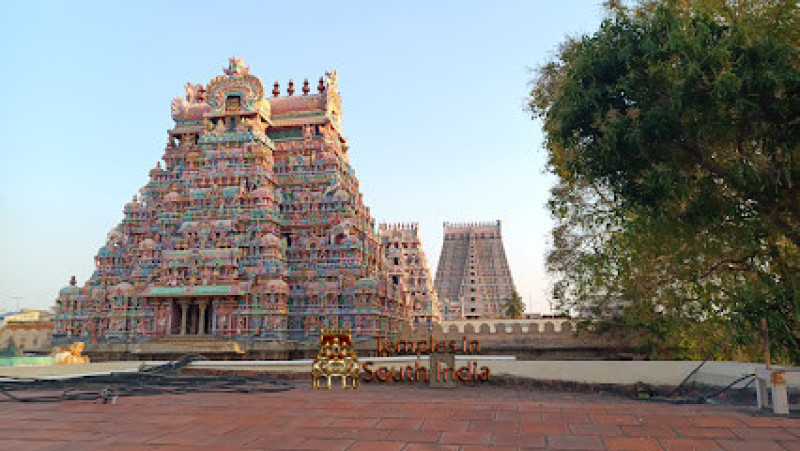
408,270
253,227
472,278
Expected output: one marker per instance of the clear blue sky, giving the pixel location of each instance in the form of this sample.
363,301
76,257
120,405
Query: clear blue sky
433,94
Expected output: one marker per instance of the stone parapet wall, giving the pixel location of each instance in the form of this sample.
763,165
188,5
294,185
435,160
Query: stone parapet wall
533,339
530,339
501,331
507,325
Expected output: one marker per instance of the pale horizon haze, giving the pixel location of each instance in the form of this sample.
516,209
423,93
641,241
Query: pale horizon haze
433,93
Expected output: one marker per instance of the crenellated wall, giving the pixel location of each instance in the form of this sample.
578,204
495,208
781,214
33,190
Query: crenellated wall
533,339
398,226
536,339
471,225
507,325
495,330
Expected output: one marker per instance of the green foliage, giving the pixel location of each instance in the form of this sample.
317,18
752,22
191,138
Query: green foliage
513,307
11,350
675,135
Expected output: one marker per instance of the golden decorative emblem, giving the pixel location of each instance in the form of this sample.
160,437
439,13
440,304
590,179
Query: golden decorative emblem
335,358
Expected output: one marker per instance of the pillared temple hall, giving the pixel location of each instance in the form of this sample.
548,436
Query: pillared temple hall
252,226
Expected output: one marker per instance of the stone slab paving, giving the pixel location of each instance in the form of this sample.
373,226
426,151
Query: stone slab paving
390,417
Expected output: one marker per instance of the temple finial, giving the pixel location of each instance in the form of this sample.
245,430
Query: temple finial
321,85
236,67
332,81
306,89
276,90
290,90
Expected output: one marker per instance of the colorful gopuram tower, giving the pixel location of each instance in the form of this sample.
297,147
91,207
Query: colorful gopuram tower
408,270
253,227
472,278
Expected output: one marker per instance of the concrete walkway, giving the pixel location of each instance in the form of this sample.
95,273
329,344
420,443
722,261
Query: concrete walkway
49,371
390,417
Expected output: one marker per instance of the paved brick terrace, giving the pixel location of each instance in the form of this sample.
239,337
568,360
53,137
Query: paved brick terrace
380,417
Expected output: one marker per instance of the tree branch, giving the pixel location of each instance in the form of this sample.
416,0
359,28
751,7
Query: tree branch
730,262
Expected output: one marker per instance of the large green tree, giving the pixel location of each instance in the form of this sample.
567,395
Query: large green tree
674,131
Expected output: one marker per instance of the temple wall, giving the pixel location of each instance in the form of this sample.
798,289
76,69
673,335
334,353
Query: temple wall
508,325
510,331
534,339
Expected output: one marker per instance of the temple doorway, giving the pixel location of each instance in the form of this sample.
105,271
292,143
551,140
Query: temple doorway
192,316
175,318
192,326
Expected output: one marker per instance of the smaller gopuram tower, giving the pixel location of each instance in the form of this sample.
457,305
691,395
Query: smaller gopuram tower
472,278
407,268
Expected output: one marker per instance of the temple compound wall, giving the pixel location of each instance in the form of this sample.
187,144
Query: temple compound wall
252,227
527,339
473,279
408,270
534,339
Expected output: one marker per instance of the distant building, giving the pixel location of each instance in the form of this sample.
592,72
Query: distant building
30,330
408,270
472,278
25,316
